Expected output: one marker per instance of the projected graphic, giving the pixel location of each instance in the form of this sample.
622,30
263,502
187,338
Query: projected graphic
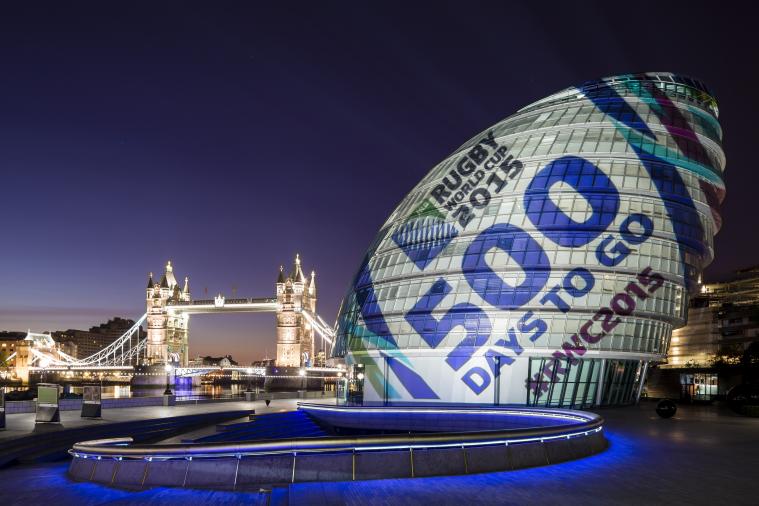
548,259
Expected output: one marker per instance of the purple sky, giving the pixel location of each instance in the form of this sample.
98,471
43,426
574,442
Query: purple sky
229,137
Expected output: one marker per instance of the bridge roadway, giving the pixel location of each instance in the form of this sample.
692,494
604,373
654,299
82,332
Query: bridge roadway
223,305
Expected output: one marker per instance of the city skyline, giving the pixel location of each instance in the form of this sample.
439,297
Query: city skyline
229,142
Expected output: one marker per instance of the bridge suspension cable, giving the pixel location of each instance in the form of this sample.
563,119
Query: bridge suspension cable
127,349
123,351
321,327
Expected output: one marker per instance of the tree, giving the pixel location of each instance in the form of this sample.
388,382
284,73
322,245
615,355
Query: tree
727,356
750,363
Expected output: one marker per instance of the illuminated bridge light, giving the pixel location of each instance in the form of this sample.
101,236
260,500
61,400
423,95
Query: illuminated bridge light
548,259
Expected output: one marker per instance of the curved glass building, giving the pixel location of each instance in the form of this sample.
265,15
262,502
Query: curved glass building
547,260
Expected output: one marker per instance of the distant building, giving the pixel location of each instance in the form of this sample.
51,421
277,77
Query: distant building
546,261
225,361
16,355
70,348
9,340
295,335
704,355
723,319
83,343
167,329
264,362
169,307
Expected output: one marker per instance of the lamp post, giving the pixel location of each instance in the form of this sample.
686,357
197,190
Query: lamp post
302,374
359,384
167,368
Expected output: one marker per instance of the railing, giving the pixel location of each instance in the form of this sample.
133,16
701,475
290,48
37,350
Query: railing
251,464
211,302
202,398
123,351
585,424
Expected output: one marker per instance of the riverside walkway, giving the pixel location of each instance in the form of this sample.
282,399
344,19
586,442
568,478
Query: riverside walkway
25,442
22,424
702,456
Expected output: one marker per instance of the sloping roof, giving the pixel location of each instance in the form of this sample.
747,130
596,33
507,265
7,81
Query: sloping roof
312,284
297,275
170,275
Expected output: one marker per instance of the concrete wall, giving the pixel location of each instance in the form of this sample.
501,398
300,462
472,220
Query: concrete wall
76,404
252,472
134,402
442,420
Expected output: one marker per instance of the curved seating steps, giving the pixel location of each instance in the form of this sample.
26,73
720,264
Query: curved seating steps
252,464
254,472
54,444
269,426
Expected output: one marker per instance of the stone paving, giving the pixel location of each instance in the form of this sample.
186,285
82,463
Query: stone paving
22,424
704,455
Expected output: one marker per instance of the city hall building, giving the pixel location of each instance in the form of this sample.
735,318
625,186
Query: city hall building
549,258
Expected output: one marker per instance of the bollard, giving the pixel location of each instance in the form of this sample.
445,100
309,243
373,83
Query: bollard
2,410
666,408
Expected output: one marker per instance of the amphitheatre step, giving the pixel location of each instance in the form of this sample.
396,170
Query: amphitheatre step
269,426
54,443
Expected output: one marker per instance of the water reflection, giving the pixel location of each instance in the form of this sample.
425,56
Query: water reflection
190,391
180,390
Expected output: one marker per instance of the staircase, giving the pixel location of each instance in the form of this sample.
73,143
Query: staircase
54,444
291,424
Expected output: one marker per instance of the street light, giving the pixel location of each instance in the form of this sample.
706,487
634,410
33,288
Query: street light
167,368
303,383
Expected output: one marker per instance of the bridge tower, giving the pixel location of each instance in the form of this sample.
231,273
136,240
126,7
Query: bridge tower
295,337
167,331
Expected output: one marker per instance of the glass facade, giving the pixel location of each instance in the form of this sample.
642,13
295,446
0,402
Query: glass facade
547,260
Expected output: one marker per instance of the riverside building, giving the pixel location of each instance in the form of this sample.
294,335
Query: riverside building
548,259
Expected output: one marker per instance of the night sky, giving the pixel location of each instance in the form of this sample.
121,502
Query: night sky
227,137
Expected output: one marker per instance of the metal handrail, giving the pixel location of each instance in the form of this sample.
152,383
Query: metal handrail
105,448
211,302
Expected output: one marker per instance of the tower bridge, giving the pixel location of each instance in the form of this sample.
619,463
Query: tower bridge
302,335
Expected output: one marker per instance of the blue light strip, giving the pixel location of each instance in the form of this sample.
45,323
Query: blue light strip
501,412
238,452
239,455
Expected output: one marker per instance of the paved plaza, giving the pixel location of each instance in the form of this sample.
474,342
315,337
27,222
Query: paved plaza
704,455
22,424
